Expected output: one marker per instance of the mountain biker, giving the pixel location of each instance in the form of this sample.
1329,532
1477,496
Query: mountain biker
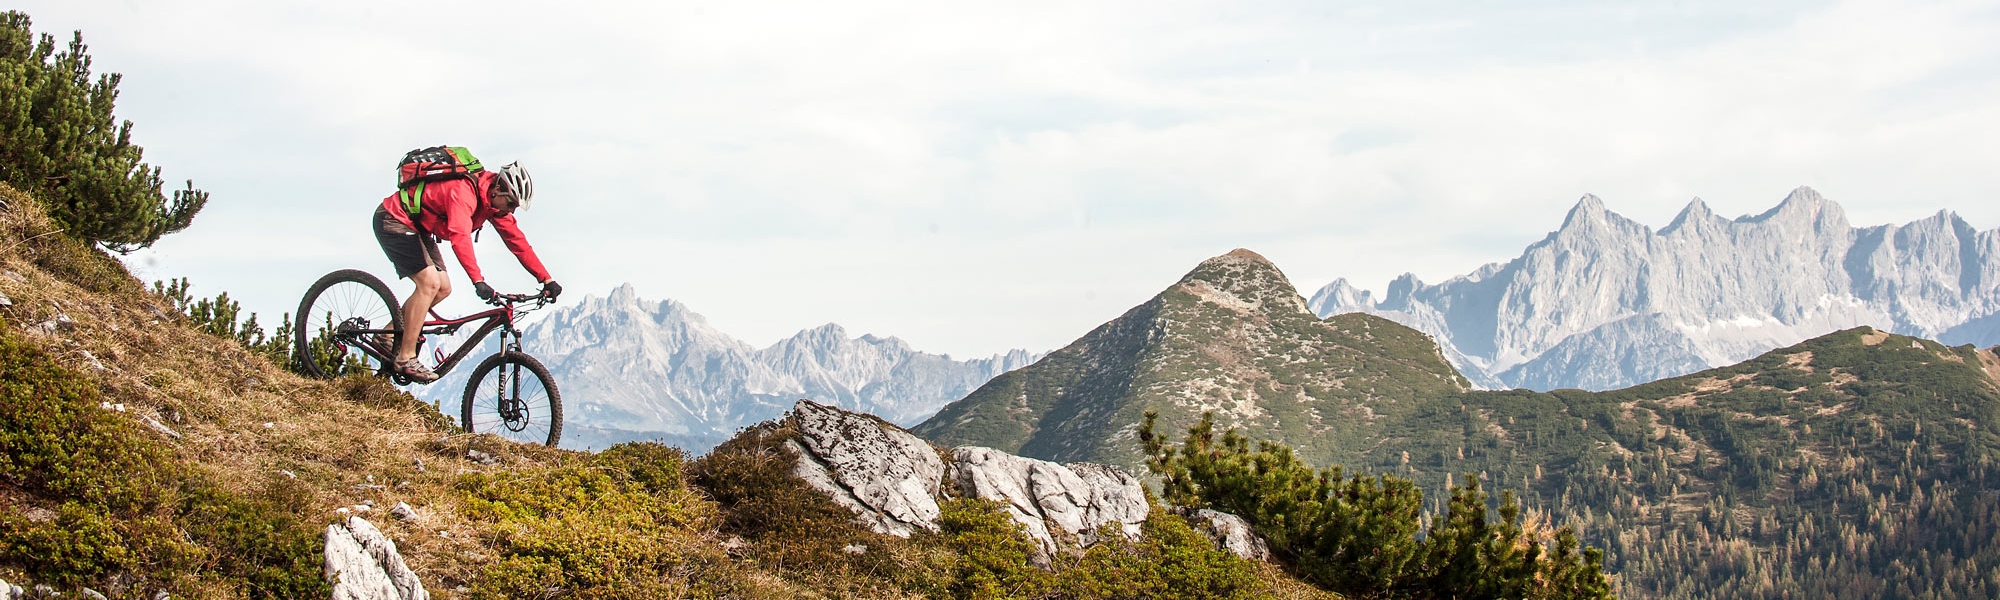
452,210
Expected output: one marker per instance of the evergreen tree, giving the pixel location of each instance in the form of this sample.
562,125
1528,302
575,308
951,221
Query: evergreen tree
60,142
1358,535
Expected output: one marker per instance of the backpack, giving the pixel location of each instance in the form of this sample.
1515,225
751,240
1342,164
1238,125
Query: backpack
422,166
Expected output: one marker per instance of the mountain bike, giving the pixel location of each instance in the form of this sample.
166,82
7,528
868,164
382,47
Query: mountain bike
349,322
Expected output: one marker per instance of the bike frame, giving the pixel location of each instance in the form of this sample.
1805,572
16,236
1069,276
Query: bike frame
501,317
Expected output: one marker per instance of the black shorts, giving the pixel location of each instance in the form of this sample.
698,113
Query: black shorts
408,249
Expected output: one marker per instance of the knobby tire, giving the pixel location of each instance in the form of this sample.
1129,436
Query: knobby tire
345,293
483,395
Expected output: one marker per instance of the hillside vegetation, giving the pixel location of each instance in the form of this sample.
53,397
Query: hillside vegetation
1231,338
142,454
1857,464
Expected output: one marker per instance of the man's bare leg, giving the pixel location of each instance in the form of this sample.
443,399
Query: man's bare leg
433,286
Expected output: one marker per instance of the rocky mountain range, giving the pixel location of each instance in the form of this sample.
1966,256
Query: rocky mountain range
635,369
1827,468
1605,302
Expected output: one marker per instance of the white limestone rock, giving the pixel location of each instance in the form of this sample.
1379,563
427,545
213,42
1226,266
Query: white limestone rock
1076,499
891,480
1230,533
362,564
887,476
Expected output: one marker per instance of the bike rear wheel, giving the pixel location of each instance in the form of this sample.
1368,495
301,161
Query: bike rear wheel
344,299
513,396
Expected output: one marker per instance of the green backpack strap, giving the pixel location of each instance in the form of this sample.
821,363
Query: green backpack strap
413,198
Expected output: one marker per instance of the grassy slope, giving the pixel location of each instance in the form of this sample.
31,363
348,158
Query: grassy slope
269,458
244,423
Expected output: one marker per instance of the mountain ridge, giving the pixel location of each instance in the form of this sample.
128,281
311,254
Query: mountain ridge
629,366
1710,291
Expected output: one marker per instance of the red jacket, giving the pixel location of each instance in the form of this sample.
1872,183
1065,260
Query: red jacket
452,210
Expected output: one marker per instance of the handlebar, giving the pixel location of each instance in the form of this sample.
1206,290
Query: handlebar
538,299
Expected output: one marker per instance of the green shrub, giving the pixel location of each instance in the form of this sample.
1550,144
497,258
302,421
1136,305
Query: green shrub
261,540
992,557
60,142
1171,561
591,528
128,512
1358,535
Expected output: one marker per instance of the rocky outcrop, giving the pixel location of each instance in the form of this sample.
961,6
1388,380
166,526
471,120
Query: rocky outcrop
1076,499
362,564
892,480
1230,533
888,477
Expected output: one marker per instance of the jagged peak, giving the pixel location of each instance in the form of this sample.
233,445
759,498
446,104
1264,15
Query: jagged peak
1590,218
1802,203
624,294
1340,296
1696,211
1588,208
1805,196
833,330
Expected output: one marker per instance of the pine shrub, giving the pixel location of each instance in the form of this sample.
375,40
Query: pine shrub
60,142
1359,535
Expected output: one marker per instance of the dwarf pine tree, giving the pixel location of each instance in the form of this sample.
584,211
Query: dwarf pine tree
59,142
1359,534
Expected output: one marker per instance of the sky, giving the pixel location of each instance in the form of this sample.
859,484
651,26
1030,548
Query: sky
976,177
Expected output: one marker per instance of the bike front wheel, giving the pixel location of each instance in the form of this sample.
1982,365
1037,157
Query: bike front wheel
338,304
513,396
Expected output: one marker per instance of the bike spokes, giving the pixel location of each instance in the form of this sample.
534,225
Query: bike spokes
513,402
335,321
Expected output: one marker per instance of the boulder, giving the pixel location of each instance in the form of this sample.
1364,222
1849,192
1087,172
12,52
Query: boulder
1231,533
1076,499
892,480
887,476
362,564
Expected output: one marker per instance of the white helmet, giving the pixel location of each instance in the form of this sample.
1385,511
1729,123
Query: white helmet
514,178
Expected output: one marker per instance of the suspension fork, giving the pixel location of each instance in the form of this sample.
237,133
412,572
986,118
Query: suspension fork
511,405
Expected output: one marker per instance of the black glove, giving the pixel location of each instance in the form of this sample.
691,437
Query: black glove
551,289
485,292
